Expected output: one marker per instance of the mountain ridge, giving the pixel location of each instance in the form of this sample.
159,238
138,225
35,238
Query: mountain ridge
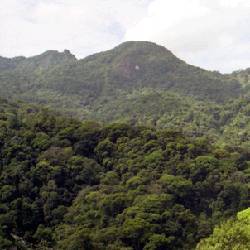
127,66
136,82
120,46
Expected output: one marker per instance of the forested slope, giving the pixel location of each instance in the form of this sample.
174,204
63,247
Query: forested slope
72,185
62,81
137,83
142,151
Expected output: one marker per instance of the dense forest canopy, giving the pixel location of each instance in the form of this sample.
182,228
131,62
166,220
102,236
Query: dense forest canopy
128,149
66,183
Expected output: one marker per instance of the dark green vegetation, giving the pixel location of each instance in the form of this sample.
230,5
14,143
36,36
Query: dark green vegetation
71,185
137,83
88,85
164,161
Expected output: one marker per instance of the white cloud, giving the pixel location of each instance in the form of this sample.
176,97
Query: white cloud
210,33
83,26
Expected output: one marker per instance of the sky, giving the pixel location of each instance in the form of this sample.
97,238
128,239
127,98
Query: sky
212,34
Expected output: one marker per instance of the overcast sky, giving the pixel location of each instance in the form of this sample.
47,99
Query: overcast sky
213,34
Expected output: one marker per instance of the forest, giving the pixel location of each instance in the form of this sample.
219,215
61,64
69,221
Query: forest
128,149
79,185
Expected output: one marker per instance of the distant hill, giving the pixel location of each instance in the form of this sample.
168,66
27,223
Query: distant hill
131,65
136,82
44,61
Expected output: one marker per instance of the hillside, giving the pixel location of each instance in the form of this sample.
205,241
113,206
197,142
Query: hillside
164,160
60,80
137,83
243,76
65,184
48,59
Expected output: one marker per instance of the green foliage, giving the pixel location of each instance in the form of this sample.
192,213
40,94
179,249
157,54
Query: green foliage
139,83
233,234
135,80
72,185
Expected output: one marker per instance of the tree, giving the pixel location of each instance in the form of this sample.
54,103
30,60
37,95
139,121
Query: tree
233,234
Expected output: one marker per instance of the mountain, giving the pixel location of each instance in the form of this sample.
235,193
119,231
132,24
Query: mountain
136,82
44,61
144,64
128,67
163,161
